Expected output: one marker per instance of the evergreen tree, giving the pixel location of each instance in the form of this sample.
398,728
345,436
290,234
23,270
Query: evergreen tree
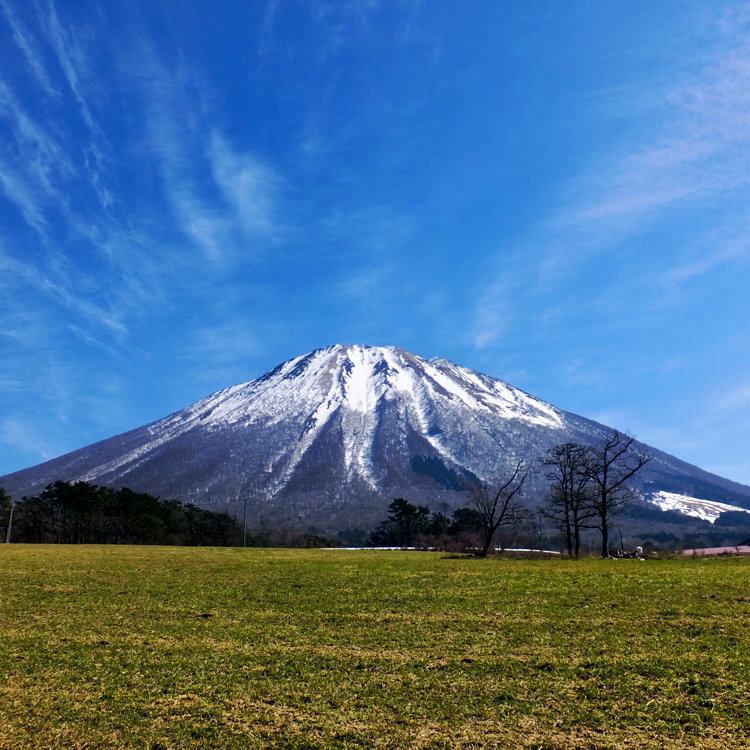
410,519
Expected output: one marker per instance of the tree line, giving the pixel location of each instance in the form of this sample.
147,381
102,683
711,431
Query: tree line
84,513
587,488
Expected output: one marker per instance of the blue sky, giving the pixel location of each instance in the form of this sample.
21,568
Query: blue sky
553,193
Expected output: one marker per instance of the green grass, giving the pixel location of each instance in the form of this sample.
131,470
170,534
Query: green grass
153,647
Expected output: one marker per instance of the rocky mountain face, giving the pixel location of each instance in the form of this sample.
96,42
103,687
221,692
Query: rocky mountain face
329,438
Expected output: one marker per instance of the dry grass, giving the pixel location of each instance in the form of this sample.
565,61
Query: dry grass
137,647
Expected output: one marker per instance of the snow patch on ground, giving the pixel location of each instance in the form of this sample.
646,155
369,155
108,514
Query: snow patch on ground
706,510
743,549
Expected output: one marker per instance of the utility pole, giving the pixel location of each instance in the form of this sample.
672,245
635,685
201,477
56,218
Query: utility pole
541,538
244,521
10,523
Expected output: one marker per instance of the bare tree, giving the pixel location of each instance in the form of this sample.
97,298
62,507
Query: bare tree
568,499
611,464
498,507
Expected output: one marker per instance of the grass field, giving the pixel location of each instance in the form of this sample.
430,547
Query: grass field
160,647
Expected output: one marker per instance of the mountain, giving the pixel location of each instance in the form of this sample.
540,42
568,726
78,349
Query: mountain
327,439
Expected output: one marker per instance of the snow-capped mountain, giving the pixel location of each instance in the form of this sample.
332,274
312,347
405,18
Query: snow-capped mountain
330,437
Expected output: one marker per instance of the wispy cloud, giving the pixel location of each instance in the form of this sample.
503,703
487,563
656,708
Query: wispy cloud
696,151
28,45
249,186
19,192
45,177
106,258
715,257
225,200
70,56
34,162
97,316
48,157
683,161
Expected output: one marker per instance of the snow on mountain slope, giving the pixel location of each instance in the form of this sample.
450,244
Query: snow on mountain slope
358,377
706,510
